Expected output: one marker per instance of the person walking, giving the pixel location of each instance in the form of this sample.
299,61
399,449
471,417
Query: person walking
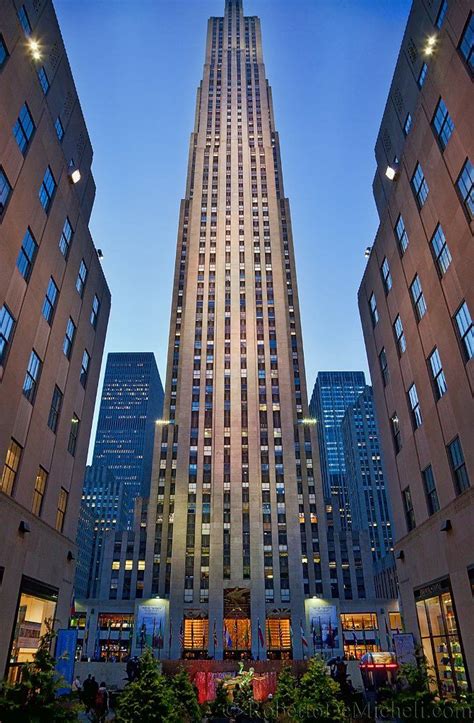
102,702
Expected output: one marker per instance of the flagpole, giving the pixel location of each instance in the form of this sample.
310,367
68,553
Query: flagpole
258,639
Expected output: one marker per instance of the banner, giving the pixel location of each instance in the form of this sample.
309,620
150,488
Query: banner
66,642
150,626
404,644
324,627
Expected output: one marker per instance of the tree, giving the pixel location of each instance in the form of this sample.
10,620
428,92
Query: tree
319,696
285,696
34,698
186,698
220,706
149,698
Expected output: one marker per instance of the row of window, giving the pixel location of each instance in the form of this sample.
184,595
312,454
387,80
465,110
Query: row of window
9,474
461,482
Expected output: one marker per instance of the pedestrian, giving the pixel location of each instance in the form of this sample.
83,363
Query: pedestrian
102,702
77,686
87,692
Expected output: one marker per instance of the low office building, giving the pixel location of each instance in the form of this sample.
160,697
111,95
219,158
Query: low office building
416,303
54,309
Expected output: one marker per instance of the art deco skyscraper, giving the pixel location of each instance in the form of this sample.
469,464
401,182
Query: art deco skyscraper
235,537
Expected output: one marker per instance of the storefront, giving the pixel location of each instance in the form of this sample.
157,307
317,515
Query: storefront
360,634
440,638
36,608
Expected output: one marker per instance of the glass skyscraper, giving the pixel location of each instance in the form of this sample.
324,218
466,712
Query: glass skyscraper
333,393
132,401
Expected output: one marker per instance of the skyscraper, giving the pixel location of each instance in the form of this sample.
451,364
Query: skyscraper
367,494
333,393
54,308
131,403
234,532
416,302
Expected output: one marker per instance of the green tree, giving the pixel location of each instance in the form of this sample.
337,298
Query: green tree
220,706
319,696
286,694
34,699
185,694
149,698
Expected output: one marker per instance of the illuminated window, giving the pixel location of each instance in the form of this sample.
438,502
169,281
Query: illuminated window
10,468
61,510
40,488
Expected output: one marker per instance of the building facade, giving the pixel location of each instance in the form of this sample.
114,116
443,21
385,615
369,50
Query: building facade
416,303
103,496
54,308
366,488
333,393
131,402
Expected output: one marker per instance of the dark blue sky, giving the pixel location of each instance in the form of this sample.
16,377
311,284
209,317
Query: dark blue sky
137,64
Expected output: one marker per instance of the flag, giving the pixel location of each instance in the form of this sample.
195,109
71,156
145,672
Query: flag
355,638
159,641
192,633
313,632
330,637
303,637
227,637
153,641
236,633
214,634
170,636
280,635
181,635
73,604
260,635
246,635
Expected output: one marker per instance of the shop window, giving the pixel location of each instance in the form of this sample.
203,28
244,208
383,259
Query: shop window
440,638
115,631
37,607
195,637
360,634
278,638
395,620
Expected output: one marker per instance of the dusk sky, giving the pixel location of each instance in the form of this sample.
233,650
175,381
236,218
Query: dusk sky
137,66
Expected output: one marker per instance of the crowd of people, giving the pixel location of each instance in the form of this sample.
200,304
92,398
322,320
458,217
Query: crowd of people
95,697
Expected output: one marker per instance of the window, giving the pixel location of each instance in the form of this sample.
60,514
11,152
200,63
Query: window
24,22
10,468
408,508
59,129
465,184
415,407
437,374
23,128
85,367
466,46
32,377
27,254
43,79
402,235
386,276
384,367
66,238
397,437
95,311
465,330
55,409
81,278
418,298
419,185
422,75
69,338
47,189
40,488
442,124
458,466
399,335
407,125
73,434
49,302
61,511
5,191
442,14
374,314
440,250
432,501
3,52
7,323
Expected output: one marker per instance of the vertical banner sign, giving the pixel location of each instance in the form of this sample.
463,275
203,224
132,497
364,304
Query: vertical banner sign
404,644
150,626
324,623
66,643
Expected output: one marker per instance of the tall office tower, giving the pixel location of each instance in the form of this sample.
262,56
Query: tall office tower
416,303
54,308
236,516
103,495
132,401
333,393
367,494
